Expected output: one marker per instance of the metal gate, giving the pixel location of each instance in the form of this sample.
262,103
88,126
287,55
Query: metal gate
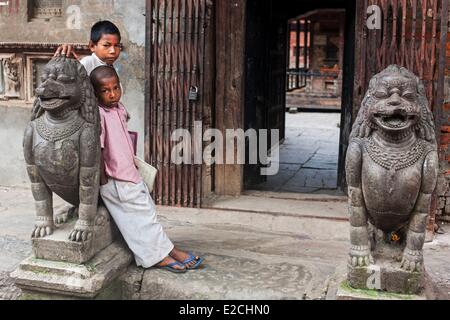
297,74
175,64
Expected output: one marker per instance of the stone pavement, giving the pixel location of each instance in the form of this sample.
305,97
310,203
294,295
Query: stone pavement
308,156
294,252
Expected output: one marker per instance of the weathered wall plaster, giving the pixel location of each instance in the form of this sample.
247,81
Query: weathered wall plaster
15,26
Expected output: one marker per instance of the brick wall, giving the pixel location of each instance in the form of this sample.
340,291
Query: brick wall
443,188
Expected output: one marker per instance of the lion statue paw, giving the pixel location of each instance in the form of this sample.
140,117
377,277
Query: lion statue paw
360,256
412,261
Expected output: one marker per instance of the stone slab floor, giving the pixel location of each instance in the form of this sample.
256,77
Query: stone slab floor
308,156
248,255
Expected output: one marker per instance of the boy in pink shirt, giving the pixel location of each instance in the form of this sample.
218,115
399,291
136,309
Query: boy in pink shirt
122,188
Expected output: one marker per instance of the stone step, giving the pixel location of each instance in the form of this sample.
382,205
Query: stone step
241,262
221,278
46,279
268,215
253,256
323,205
248,254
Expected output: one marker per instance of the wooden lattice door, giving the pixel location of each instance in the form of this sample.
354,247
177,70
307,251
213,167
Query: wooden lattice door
408,33
177,59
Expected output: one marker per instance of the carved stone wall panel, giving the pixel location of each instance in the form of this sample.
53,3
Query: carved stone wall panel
21,63
12,77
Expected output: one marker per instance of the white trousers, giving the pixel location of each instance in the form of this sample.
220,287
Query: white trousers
133,210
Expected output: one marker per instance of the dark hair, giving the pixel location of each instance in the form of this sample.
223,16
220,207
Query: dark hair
102,72
101,28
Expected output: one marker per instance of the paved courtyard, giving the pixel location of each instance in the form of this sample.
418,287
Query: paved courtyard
308,156
296,249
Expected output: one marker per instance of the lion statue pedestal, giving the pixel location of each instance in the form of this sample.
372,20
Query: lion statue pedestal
62,153
392,167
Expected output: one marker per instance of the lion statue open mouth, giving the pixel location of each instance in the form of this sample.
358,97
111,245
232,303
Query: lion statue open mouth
62,147
391,167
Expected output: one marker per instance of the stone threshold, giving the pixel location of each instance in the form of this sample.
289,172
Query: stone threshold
284,205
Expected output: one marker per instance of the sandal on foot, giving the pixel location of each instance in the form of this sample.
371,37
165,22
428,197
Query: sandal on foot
170,267
192,258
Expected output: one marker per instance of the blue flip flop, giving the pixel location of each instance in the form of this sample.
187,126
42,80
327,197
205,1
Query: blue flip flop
192,258
170,268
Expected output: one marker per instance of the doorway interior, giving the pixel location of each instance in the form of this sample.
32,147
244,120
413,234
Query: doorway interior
299,80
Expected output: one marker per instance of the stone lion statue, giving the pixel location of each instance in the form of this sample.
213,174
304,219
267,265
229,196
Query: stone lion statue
62,147
391,167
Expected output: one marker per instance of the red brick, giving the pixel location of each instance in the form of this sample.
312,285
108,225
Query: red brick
445,138
445,129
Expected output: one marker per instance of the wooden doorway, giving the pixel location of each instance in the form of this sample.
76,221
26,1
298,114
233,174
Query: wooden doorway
266,65
206,44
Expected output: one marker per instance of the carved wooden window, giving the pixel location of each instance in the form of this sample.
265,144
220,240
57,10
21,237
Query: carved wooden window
45,9
11,77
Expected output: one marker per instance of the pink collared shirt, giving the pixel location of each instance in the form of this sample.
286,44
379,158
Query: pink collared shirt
117,147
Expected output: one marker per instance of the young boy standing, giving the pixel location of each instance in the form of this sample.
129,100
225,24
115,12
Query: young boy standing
104,44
